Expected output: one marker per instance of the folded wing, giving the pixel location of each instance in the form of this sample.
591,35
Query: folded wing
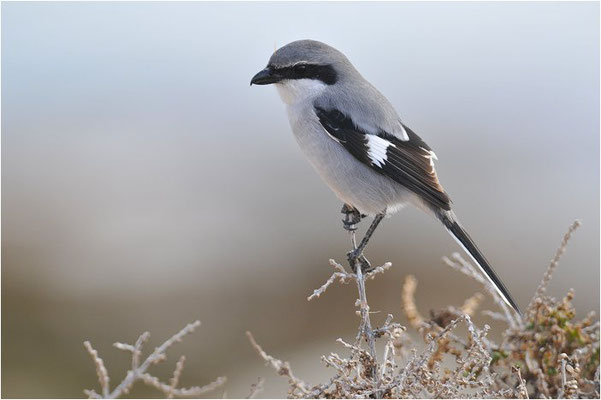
408,162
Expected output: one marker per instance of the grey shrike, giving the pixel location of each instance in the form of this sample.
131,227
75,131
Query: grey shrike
356,141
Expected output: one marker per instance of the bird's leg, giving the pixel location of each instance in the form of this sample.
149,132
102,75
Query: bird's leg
370,231
357,254
352,217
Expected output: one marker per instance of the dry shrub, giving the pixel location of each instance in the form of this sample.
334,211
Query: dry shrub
545,353
139,370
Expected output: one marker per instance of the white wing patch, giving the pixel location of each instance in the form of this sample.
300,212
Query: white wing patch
404,135
431,155
376,149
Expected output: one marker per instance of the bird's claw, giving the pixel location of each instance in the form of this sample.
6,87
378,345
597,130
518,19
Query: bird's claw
355,258
351,218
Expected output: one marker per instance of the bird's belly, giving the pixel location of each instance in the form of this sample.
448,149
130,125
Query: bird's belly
352,181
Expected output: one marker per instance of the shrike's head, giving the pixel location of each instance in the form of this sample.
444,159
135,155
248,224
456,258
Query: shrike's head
303,69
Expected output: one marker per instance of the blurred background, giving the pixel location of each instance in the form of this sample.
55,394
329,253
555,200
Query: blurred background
146,185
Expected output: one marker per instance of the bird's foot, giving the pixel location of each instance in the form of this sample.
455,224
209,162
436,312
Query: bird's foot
351,218
355,258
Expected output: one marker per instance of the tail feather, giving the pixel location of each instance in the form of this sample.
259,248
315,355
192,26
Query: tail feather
461,236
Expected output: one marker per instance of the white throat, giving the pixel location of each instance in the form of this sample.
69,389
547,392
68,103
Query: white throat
293,91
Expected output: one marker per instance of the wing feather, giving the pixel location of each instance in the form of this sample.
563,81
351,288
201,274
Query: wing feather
409,163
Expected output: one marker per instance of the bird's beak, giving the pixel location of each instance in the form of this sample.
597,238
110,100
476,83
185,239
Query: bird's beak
265,77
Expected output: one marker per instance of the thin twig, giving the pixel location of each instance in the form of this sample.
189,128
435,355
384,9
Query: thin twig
256,388
138,372
282,367
194,391
494,315
470,305
103,376
542,287
408,302
378,270
177,373
365,329
341,273
522,391
460,264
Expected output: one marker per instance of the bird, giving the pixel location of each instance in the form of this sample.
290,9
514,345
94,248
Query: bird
356,141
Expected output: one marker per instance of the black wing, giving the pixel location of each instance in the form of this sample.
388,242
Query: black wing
407,162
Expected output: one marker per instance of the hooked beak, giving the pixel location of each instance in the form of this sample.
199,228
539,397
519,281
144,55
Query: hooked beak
265,77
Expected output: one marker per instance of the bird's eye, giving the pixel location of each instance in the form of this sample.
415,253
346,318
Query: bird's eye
300,68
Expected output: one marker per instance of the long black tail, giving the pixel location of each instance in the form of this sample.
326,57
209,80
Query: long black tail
450,222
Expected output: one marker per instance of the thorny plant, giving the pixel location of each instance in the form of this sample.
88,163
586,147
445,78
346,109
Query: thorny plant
543,354
139,370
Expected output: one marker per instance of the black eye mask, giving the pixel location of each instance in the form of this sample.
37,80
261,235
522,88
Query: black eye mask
324,73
